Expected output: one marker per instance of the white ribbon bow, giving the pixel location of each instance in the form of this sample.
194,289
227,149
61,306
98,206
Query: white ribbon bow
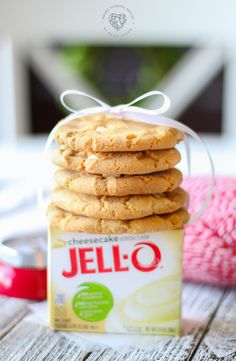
141,115
104,107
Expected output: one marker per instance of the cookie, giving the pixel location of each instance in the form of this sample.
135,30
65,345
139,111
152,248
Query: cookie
116,163
99,185
71,223
107,133
129,207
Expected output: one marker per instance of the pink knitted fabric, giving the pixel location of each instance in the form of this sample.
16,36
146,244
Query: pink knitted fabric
210,243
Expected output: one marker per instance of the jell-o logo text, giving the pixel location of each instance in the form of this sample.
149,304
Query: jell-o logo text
87,260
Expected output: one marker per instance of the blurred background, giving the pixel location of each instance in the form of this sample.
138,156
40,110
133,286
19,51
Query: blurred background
187,51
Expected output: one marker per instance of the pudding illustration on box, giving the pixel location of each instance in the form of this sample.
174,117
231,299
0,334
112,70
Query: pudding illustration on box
125,283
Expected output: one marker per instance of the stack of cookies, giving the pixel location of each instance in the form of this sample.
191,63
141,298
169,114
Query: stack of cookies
117,176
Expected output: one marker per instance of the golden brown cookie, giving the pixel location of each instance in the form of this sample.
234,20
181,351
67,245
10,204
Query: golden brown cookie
71,223
165,181
107,133
116,163
129,207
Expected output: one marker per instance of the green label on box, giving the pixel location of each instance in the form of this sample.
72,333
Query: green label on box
92,302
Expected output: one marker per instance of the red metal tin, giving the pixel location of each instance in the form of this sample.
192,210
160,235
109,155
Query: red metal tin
23,270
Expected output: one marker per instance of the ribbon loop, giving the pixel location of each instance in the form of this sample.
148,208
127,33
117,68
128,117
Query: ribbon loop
77,92
160,110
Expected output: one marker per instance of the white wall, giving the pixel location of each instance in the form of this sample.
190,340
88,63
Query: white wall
164,21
